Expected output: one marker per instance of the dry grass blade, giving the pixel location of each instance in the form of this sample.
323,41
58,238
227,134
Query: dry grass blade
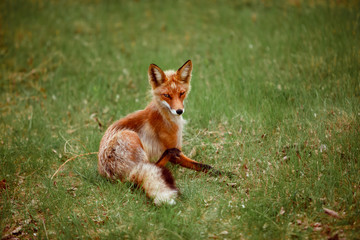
70,159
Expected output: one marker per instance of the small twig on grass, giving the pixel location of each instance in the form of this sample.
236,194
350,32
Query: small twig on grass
70,159
99,123
47,237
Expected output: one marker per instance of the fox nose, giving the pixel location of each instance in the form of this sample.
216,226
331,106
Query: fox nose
179,111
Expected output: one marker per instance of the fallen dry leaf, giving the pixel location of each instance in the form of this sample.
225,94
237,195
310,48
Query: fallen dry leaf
317,224
224,233
282,211
331,213
317,227
3,184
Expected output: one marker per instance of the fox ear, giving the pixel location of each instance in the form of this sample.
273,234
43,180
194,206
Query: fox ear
184,72
156,76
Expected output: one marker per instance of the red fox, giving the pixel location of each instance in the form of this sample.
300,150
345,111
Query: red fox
130,145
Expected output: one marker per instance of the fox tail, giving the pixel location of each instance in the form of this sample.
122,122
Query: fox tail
157,182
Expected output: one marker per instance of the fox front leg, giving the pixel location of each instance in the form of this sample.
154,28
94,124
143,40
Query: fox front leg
175,156
167,156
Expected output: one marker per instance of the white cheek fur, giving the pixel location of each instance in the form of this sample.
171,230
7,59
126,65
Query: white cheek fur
168,106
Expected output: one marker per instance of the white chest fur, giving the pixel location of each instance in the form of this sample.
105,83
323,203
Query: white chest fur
151,142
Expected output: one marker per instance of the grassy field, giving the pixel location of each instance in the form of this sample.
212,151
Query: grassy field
275,99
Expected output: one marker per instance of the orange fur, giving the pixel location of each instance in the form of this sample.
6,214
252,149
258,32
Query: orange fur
132,142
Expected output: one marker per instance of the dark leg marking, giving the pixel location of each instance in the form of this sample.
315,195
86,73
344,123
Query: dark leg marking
170,153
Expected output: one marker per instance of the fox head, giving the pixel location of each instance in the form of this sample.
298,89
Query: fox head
170,88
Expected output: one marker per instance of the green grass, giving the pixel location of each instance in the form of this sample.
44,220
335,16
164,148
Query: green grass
275,99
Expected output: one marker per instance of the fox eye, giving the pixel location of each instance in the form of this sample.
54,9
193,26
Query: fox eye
167,95
182,93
